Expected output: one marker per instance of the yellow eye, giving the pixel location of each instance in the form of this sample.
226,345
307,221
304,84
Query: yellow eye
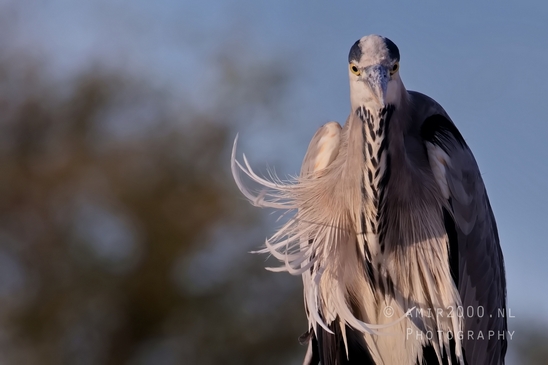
355,69
395,68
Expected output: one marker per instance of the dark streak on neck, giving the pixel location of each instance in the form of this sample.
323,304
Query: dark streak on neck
384,116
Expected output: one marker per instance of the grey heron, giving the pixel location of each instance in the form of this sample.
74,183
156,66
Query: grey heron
392,233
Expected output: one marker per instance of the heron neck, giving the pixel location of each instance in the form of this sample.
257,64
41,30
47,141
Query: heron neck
368,150
374,144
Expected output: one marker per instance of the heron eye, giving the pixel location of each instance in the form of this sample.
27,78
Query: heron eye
354,69
395,68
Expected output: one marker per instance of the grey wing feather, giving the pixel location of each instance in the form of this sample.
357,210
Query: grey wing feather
323,148
481,278
481,284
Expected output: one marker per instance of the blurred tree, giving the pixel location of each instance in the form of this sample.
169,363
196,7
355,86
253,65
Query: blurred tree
529,343
122,238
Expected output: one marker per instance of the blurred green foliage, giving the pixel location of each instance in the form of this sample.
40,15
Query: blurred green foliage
529,342
122,237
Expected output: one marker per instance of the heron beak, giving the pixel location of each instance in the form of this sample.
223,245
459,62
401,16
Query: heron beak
377,77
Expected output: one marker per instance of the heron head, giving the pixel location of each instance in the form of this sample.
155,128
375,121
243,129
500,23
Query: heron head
373,69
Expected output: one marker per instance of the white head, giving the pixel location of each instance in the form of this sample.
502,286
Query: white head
373,70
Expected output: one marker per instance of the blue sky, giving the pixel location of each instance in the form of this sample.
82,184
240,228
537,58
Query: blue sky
484,62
